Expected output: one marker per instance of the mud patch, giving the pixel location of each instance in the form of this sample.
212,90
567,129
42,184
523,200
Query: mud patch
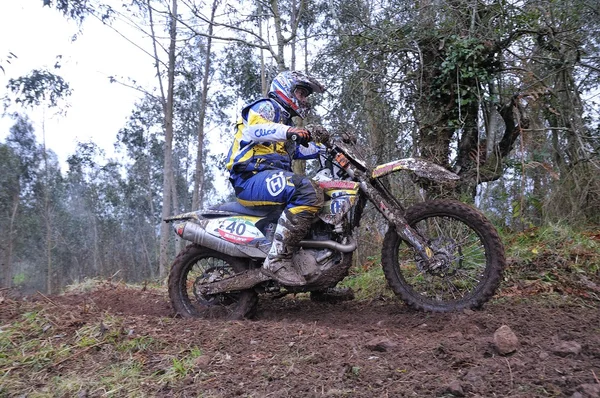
300,348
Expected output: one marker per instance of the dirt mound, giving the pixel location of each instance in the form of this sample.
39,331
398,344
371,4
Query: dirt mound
300,348
120,300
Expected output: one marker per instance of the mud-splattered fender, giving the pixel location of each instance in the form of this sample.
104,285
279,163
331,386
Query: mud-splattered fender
421,167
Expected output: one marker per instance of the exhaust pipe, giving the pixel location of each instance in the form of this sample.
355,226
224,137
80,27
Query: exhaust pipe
329,244
195,233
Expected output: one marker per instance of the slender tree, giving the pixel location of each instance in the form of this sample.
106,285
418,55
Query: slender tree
197,197
167,105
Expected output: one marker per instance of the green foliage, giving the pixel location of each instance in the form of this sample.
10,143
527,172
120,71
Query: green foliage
240,72
467,66
19,279
136,344
39,87
78,10
23,144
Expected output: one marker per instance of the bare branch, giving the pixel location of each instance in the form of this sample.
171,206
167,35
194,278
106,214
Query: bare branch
224,25
592,67
134,87
156,59
121,34
232,39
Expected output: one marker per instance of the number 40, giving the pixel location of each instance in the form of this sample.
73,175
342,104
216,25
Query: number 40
236,228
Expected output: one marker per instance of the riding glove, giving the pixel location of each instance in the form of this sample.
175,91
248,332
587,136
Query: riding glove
299,136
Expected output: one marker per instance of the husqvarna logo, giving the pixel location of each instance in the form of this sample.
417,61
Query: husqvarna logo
275,183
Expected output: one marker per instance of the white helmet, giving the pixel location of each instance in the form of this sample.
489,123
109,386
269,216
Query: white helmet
292,88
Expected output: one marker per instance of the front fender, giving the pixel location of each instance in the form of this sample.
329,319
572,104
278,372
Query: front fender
421,167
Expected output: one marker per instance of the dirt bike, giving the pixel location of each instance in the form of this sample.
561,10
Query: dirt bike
439,255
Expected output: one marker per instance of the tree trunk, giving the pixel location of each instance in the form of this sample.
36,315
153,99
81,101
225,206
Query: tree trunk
7,272
374,114
49,267
168,178
47,218
279,58
293,18
197,196
177,242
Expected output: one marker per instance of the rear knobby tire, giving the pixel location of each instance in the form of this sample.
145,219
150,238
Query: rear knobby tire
196,265
458,233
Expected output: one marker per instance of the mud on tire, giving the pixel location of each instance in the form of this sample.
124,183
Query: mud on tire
470,245
196,265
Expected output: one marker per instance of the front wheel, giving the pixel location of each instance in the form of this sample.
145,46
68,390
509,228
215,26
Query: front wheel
470,254
197,265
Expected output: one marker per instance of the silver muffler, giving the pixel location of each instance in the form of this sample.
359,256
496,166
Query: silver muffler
195,233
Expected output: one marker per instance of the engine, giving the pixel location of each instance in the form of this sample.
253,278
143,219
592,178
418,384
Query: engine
315,263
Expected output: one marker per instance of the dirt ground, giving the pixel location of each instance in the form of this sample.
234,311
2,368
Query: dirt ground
299,348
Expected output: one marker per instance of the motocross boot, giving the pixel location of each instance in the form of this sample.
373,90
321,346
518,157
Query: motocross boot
278,264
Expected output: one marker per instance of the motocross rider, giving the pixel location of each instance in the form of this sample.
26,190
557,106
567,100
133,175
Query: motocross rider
260,160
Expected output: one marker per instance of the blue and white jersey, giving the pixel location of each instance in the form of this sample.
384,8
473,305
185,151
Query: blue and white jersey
260,140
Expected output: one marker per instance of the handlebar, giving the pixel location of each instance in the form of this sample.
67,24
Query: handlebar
341,147
322,135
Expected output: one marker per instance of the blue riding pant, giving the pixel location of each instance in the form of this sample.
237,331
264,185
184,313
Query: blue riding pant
278,187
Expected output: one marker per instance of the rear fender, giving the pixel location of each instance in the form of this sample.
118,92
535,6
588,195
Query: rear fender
201,215
193,215
420,167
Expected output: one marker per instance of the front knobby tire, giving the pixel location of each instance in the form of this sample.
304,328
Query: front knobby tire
196,265
465,239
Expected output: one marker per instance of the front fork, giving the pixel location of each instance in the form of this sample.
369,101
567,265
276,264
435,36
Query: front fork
387,206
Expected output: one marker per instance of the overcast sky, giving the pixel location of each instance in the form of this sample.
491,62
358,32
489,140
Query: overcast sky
37,35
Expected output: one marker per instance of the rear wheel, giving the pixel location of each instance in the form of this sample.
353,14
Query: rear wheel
197,265
470,254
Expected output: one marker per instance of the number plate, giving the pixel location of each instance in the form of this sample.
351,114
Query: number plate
240,230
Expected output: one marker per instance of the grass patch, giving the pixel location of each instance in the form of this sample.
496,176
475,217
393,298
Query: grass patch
46,355
553,259
182,365
367,281
557,245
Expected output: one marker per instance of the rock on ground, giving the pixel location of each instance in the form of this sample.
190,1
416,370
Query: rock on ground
505,340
